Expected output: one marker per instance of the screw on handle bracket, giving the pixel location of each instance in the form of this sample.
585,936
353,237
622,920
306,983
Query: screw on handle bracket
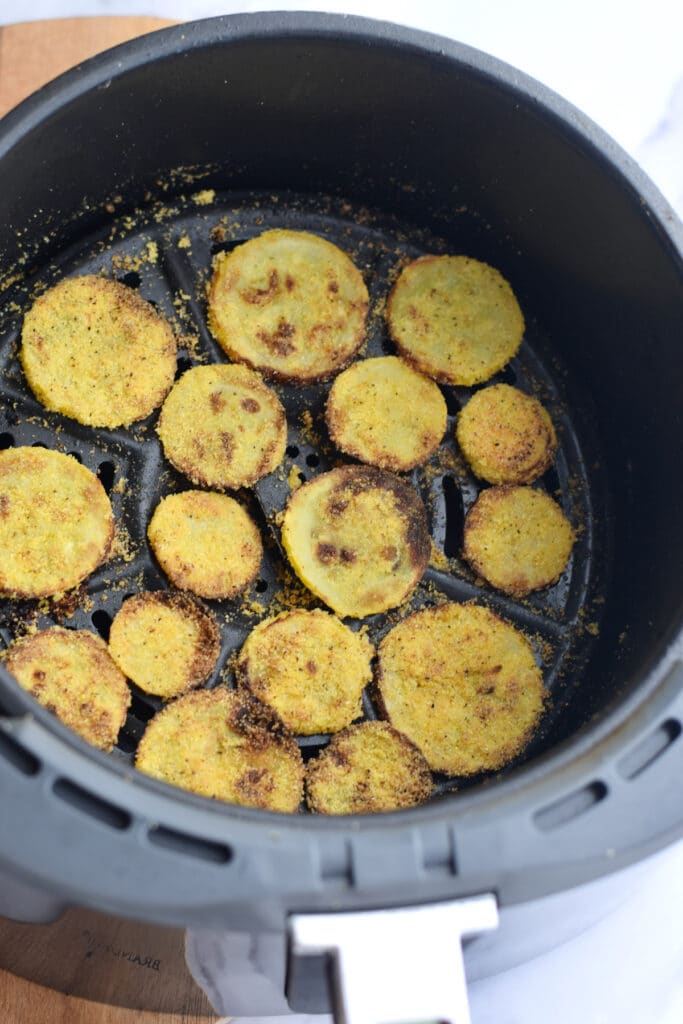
397,965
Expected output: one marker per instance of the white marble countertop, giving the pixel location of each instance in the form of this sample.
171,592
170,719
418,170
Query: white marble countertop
621,62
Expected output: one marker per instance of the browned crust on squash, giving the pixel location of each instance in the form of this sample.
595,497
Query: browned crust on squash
388,442
216,448
200,570
79,711
242,717
39,516
342,762
206,645
111,319
463,684
482,517
290,334
515,446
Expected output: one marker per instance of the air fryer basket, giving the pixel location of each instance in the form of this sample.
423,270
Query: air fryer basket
391,143
167,256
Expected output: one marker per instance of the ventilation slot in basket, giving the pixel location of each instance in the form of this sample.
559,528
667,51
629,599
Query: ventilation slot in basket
17,756
650,749
92,806
190,846
570,807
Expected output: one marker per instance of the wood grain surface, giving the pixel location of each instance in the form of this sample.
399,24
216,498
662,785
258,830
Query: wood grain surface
31,54
22,1002
34,52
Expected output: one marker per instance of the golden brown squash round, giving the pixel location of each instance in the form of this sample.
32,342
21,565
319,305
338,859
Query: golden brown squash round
454,318
506,436
223,427
56,522
290,304
358,538
367,768
94,350
309,667
165,642
385,413
463,685
206,543
226,746
71,673
518,539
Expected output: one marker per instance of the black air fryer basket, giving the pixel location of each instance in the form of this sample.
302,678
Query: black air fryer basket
143,164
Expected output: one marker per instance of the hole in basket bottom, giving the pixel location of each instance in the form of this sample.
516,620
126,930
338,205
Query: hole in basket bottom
132,279
6,441
182,366
455,517
106,471
551,481
507,376
452,403
101,620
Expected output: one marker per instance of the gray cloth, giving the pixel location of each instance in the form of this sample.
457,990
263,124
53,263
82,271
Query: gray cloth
243,974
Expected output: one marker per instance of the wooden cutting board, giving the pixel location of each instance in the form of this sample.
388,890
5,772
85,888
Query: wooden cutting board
31,54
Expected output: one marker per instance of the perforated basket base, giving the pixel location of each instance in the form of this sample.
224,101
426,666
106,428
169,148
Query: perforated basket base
167,253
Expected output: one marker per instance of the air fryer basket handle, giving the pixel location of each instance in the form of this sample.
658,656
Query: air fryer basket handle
396,965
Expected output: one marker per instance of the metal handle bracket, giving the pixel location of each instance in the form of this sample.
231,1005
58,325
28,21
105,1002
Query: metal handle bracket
397,965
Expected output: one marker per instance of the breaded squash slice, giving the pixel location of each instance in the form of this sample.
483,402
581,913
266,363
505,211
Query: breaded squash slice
454,318
463,685
518,539
56,522
224,745
310,667
223,427
367,768
358,538
165,641
206,543
71,673
289,304
506,436
94,350
386,414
